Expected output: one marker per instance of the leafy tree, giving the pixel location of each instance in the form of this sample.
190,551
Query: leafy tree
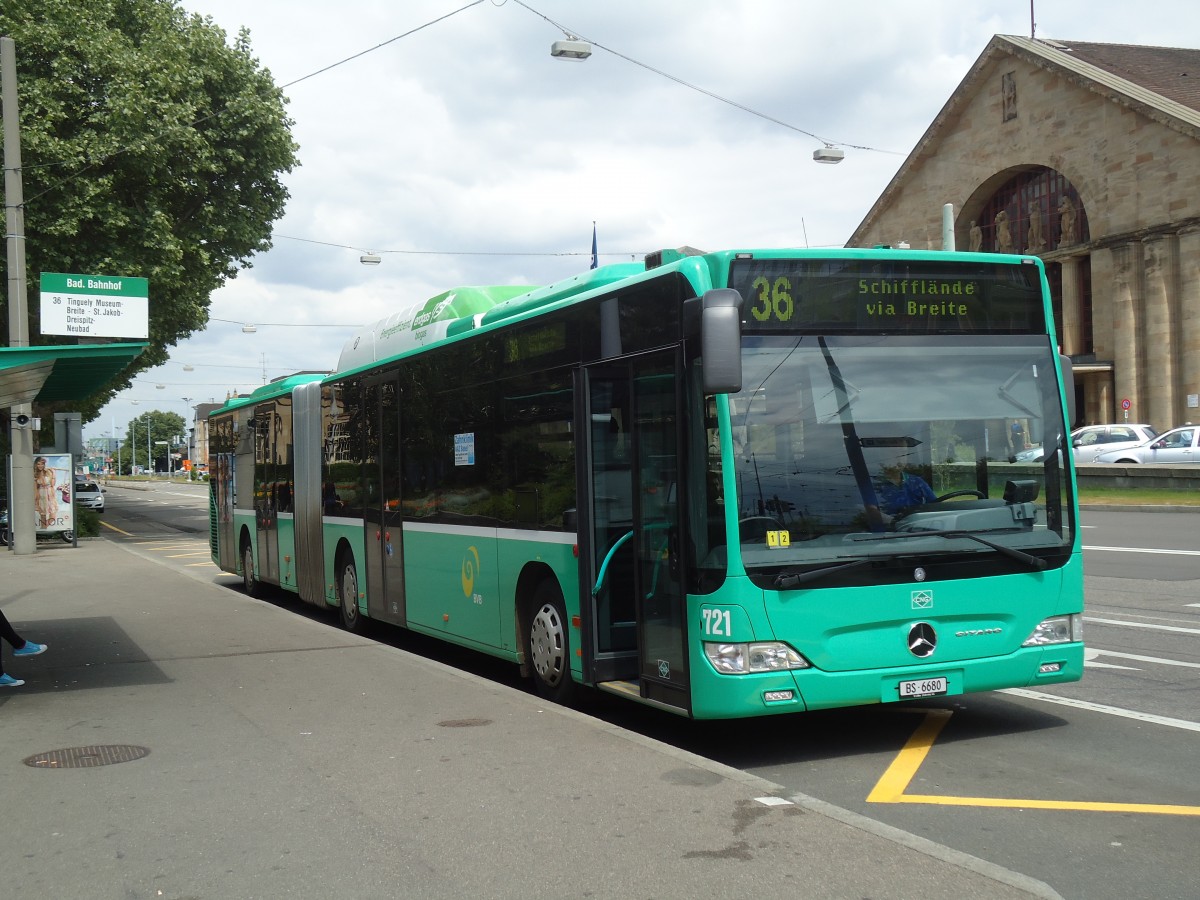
139,450
150,147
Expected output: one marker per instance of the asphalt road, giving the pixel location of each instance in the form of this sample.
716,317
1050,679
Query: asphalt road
1088,787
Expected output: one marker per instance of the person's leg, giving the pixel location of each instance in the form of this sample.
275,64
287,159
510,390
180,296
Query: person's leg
21,647
7,680
7,632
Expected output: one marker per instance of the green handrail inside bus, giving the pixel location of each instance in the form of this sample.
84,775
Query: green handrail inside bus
603,573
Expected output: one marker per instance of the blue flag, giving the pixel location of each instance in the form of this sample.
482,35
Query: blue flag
595,255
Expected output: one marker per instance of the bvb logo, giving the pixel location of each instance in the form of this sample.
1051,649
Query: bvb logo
469,567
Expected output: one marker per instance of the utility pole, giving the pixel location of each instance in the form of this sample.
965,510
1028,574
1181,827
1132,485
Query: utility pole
20,488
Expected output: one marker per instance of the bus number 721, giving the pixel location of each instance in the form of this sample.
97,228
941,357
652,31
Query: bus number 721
716,622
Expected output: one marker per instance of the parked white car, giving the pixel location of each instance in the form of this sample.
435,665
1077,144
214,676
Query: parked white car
1090,441
89,495
1178,446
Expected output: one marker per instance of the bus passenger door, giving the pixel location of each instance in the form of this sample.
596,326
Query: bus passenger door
266,513
630,530
384,539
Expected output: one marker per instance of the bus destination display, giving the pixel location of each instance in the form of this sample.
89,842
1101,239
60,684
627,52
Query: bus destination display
923,297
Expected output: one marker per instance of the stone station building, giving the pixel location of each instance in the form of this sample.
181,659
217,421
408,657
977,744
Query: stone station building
1087,155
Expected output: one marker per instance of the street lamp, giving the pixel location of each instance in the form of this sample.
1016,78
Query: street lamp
571,48
113,421
149,460
829,155
191,439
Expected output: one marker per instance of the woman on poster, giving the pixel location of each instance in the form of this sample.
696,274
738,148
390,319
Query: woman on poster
45,499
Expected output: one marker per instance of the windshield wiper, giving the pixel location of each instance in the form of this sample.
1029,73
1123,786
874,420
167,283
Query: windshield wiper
785,580
1034,562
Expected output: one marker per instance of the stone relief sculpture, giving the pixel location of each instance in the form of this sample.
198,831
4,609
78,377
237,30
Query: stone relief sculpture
1004,242
976,236
1008,92
1034,242
1067,222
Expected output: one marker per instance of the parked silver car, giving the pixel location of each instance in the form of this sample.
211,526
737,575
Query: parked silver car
1175,447
1090,441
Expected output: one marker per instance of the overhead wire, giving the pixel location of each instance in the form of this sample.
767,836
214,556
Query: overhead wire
107,156
687,84
680,81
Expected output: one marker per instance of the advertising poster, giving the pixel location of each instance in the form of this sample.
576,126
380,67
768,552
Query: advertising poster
52,486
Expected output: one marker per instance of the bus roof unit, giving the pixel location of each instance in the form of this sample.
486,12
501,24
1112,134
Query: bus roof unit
422,323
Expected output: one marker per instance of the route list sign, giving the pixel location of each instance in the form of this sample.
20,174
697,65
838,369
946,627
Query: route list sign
90,306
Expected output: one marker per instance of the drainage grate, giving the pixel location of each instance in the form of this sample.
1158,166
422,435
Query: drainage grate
464,723
86,757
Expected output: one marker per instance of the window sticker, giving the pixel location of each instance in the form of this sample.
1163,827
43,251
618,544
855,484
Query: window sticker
464,449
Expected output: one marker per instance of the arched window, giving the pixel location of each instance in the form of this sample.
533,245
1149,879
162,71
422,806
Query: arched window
1028,214
1034,205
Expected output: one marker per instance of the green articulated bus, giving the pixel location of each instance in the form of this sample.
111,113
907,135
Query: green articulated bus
727,484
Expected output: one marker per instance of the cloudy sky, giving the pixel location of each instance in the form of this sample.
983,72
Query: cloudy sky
458,150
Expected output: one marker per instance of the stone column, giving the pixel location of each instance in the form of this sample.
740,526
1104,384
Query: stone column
1157,347
1071,342
1126,307
1104,396
1189,322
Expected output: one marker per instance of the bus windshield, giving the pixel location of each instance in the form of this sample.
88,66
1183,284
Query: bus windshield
850,449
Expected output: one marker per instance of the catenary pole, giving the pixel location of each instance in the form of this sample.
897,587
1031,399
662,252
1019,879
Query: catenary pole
20,486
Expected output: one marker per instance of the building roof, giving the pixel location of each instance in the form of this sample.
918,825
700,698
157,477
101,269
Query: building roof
1154,80
1171,72
1161,83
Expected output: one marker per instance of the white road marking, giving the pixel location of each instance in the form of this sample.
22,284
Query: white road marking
1144,550
1146,659
1174,628
1106,710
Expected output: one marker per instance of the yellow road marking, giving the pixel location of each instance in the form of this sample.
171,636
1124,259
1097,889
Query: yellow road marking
890,788
899,775
116,529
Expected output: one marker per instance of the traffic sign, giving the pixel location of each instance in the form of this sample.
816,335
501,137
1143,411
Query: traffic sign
1125,404
88,306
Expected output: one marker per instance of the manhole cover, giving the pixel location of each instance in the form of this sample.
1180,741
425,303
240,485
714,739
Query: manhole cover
86,757
464,723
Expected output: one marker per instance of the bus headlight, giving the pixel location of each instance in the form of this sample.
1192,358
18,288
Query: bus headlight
1056,630
741,659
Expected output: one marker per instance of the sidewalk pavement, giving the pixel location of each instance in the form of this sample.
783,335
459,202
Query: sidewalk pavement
286,758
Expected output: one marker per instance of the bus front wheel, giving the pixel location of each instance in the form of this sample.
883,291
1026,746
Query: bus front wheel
352,617
546,645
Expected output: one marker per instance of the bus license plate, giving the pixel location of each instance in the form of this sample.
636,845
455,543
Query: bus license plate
926,687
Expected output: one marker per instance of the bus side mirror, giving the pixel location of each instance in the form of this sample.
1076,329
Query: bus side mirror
721,341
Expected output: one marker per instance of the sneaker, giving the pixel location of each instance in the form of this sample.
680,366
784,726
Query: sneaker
30,649
8,681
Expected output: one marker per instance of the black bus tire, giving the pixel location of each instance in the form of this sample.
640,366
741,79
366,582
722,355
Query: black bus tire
250,584
352,618
547,647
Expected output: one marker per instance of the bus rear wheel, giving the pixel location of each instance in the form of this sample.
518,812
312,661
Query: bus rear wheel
352,617
250,584
546,645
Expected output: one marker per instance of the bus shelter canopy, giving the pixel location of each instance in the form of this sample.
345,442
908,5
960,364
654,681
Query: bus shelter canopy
60,373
